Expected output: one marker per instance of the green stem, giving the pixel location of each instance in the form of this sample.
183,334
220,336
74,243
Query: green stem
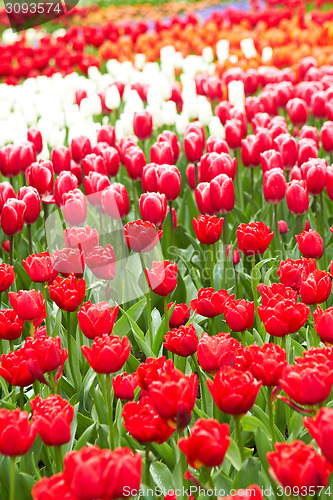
29,238
110,409
276,229
239,436
134,200
12,479
255,291
271,413
148,299
11,242
21,398
196,173
238,184
147,475
211,267
252,192
317,214
47,319
299,222
172,232
58,458
283,342
70,353
225,259
166,315
201,382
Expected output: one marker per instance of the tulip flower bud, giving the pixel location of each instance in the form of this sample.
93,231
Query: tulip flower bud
40,176
172,139
12,216
111,160
34,136
153,207
297,111
193,147
74,207
61,159
143,125
274,186
287,146
222,195
314,172
234,133
134,161
250,151
310,244
307,150
31,198
307,132
115,201
283,227
162,153
203,199
6,192
64,183
271,159
27,155
217,145
80,147
318,101
107,134
297,197
94,184
326,136
10,160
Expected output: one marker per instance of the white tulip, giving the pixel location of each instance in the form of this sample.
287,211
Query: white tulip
112,67
222,50
139,61
94,73
208,54
266,55
248,48
112,97
216,128
56,137
154,97
236,92
182,121
156,114
190,107
91,105
169,112
204,110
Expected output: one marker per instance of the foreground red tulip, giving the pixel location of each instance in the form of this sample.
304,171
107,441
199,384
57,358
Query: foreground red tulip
16,433
141,236
15,369
292,271
162,277
12,216
11,326
207,443
108,353
68,293
143,422
142,125
297,197
174,395
82,238
153,207
115,201
324,324
7,277
321,430
182,341
267,363
298,466
39,267
274,186
180,315
29,305
316,287
101,262
307,382
30,196
95,473
52,417
281,317
124,386
216,351
253,238
52,488
207,229
97,319
239,314
310,244
234,391
210,303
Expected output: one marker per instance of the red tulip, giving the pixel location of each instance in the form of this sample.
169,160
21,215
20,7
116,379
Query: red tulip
307,382
239,314
80,147
271,159
107,134
82,238
135,161
281,317
310,244
94,163
61,159
267,363
29,305
207,443
74,207
209,302
54,487
320,429
234,391
291,271
287,146
64,183
274,186
182,341
174,395
15,369
250,151
11,326
148,371
101,262
40,176
67,293
16,433
172,139
115,201
324,324
203,198
143,422
7,277
97,319
179,316
298,467
39,267
314,172
31,198
153,207
94,184
297,197
142,125
297,111
52,417
222,197
111,160
316,287
69,261
6,192
34,136
12,216
162,277
326,136
207,229
234,133
108,353
253,238
141,236
124,386
193,146
216,351
278,291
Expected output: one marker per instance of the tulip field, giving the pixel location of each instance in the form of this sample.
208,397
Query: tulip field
166,251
